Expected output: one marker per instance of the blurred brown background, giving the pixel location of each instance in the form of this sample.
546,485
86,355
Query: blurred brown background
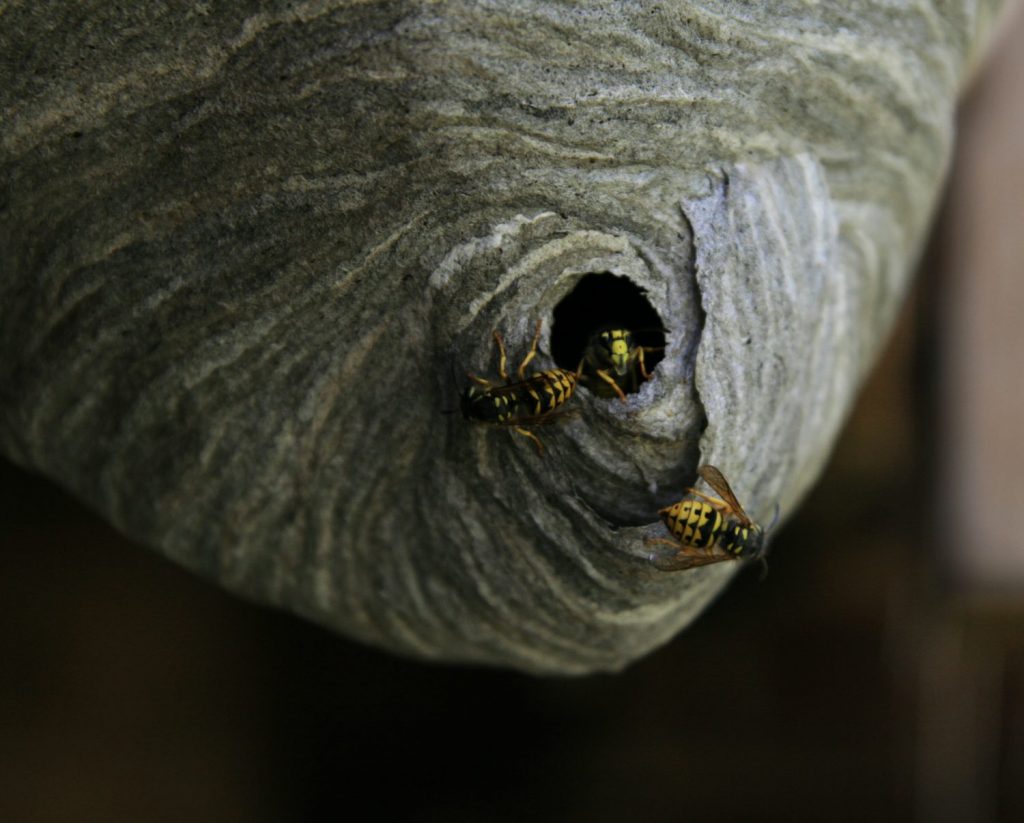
876,674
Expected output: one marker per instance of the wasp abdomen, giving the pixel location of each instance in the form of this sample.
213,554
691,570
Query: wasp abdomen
547,390
693,522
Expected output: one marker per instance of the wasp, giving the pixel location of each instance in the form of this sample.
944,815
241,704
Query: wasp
529,401
708,529
616,360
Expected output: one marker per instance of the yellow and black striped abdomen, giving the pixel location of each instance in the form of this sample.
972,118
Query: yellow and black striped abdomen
694,523
545,391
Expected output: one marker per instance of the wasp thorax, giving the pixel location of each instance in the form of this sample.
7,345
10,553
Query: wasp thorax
743,539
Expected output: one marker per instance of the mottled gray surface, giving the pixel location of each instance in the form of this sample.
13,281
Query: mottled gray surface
245,251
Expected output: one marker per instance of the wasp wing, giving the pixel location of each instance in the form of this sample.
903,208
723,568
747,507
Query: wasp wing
679,561
714,478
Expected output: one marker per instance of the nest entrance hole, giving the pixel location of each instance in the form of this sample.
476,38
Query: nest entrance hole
601,301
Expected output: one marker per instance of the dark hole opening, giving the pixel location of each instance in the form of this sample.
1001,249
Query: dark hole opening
602,301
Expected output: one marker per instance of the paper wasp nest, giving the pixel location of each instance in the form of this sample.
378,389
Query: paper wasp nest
250,252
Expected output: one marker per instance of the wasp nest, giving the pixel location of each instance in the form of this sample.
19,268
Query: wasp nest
249,253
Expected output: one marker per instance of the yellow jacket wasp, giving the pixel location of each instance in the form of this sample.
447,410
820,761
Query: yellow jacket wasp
613,363
708,529
528,401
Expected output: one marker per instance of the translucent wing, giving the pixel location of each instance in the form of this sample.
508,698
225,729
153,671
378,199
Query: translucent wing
675,561
714,478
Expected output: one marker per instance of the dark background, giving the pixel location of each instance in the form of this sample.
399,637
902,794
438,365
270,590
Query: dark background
862,680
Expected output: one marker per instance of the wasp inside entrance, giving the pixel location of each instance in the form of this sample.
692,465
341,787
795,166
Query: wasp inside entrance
603,302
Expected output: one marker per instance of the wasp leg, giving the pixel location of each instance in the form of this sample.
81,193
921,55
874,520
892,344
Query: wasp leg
685,557
532,436
530,354
675,544
547,418
643,367
682,562
487,384
714,502
607,378
501,356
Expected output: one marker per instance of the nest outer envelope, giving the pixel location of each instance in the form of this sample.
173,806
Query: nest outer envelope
249,251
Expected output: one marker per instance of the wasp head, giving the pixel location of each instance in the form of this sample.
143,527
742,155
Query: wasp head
615,347
467,400
755,545
759,550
